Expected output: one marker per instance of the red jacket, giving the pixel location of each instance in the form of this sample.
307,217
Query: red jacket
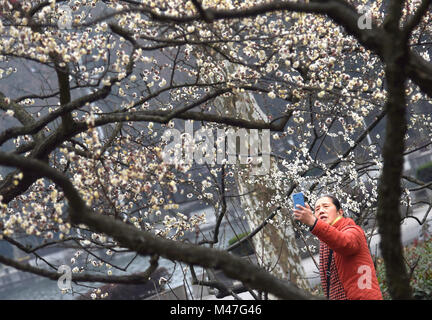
352,257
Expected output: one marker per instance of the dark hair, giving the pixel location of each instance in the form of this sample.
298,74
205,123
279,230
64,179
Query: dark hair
334,200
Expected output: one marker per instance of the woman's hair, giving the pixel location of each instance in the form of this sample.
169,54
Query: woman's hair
334,200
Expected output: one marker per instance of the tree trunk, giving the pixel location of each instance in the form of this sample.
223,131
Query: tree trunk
389,192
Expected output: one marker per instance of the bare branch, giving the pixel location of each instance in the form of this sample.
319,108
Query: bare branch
142,277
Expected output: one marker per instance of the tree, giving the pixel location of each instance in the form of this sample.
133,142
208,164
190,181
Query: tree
110,77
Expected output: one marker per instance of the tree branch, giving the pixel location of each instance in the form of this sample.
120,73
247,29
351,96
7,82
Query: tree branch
145,243
137,278
415,19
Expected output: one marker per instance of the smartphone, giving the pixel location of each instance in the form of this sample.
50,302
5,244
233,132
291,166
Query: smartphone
298,199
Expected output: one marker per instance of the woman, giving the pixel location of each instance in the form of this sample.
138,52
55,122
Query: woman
346,267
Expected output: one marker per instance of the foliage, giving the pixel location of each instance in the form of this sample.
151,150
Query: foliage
237,238
424,172
244,249
418,257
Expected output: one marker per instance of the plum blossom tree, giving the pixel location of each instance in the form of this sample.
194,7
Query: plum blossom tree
87,93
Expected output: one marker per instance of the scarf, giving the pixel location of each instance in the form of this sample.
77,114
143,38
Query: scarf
337,291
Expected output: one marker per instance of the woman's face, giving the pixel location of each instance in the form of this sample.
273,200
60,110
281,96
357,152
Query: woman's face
326,211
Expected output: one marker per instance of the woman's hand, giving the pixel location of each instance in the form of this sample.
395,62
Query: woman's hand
304,215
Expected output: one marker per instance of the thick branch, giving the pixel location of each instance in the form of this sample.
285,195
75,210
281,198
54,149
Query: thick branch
146,243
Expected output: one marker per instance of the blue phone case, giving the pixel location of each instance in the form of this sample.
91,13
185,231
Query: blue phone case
298,198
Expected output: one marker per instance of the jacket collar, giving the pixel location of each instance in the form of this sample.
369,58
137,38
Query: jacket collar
336,220
342,222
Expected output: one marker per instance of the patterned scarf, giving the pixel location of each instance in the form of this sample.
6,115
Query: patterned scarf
337,291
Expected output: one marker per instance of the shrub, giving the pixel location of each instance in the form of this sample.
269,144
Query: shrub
419,264
424,172
245,248
237,238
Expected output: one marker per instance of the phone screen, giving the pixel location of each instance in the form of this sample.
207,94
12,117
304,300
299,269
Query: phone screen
298,199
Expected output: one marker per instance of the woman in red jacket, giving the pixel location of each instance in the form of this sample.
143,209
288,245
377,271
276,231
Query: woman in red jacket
346,267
